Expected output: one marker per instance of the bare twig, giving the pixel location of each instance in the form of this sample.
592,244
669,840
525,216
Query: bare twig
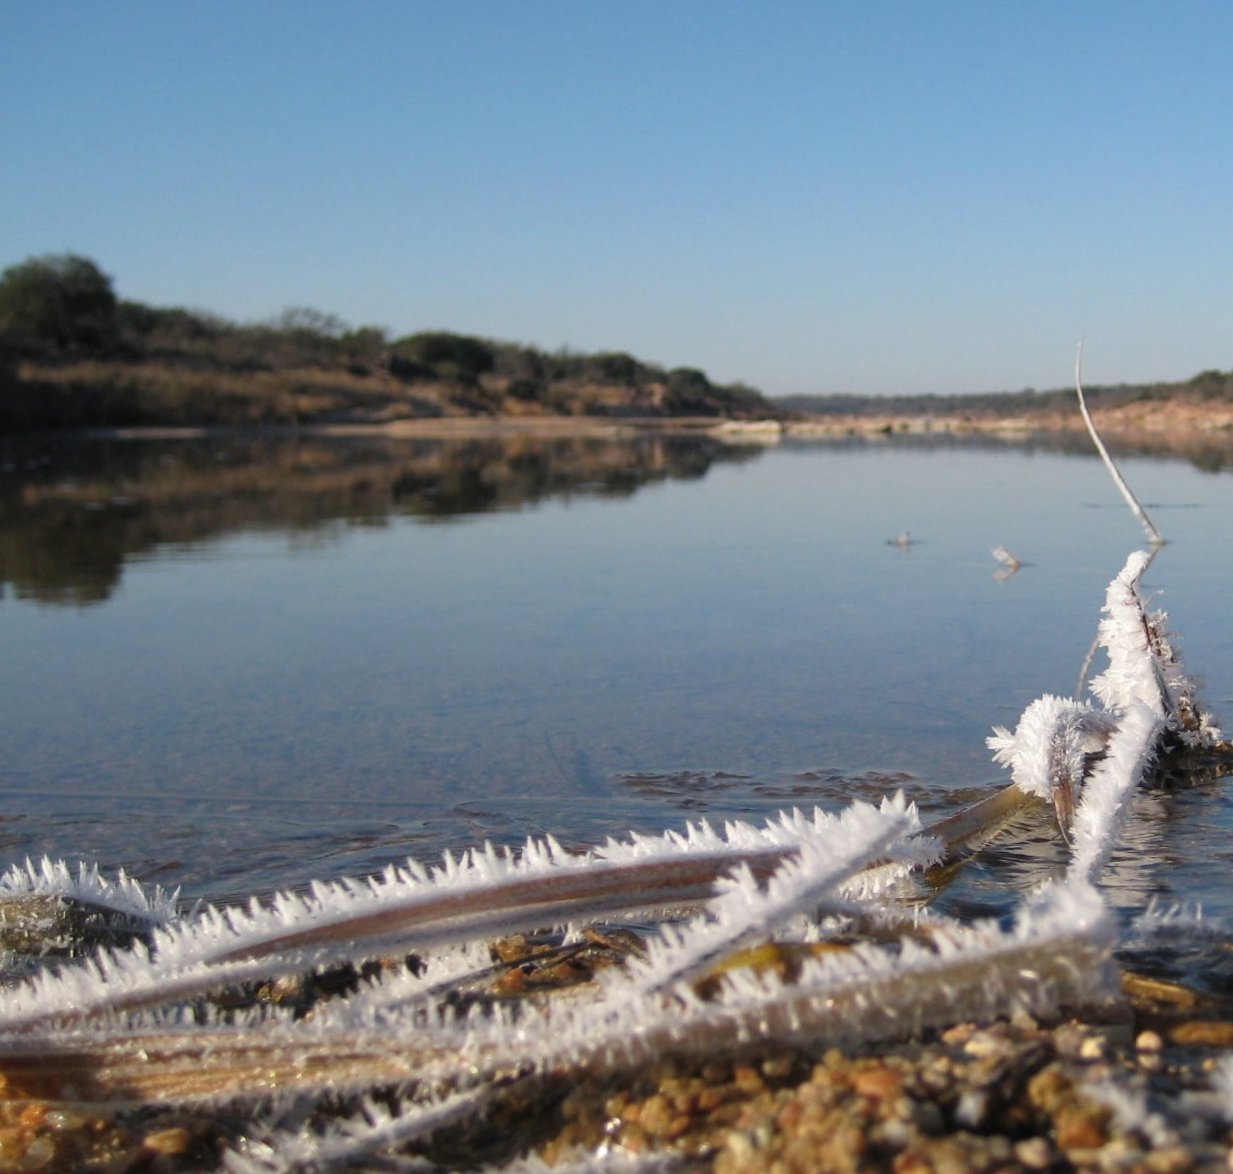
1154,535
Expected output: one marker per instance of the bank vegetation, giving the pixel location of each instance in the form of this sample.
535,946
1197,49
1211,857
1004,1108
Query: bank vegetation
75,355
1207,396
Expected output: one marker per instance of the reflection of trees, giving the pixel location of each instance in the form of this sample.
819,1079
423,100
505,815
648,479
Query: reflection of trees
63,561
72,513
1209,452
479,476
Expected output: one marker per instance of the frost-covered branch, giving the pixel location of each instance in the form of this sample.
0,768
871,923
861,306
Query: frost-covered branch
486,892
743,911
1143,667
1055,956
1106,796
122,897
1050,749
1087,760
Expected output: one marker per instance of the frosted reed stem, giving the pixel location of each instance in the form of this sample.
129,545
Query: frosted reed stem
1153,534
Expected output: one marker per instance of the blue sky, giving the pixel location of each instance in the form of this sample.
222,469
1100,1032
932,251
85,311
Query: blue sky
864,197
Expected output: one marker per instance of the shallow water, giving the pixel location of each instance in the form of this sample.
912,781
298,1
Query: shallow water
238,665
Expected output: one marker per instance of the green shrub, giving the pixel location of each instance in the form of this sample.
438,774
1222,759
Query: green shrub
620,368
64,302
452,356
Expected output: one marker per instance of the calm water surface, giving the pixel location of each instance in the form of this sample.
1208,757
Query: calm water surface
233,665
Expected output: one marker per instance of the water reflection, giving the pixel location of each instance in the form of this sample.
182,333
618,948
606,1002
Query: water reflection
745,796
310,649
1210,452
75,512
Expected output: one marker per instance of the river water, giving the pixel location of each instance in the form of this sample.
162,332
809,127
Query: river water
232,665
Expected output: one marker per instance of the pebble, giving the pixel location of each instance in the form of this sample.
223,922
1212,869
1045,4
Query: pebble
972,1107
1092,1048
983,1044
878,1082
1148,1041
172,1141
1169,1161
1034,1152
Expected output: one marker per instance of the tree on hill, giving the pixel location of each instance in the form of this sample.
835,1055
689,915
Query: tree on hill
445,354
64,302
617,367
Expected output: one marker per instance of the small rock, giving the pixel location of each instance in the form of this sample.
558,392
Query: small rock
1148,1041
739,1145
983,1044
894,1134
39,1155
879,1083
1173,1160
1081,1128
1023,1021
167,1141
1034,1152
958,1035
1092,1048
972,1108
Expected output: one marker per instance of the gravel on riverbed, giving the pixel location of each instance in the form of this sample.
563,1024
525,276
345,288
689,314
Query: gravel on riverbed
1009,1096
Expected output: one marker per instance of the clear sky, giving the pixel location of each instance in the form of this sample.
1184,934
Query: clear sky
807,196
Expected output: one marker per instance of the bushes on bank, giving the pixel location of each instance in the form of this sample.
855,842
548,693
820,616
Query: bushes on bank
74,355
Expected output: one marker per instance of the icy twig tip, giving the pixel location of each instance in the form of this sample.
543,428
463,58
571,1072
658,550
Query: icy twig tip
1153,534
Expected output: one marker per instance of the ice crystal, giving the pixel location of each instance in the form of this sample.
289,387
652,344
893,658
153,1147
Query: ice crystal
344,1143
1106,796
1049,750
742,910
123,895
485,891
1144,666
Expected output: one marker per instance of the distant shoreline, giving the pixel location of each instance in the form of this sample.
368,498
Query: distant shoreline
1159,418
1196,430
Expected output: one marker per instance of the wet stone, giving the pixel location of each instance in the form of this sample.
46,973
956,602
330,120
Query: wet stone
55,926
1035,1153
